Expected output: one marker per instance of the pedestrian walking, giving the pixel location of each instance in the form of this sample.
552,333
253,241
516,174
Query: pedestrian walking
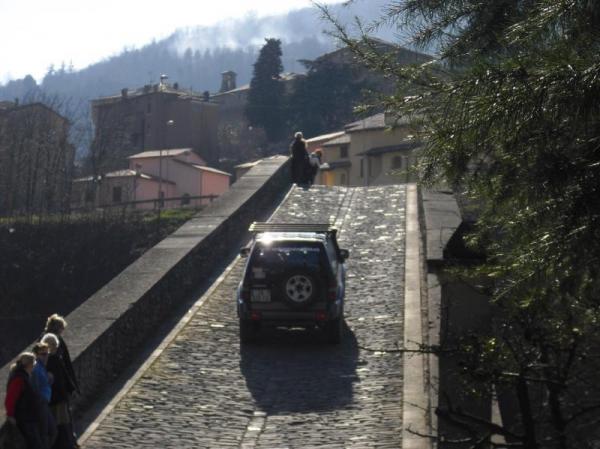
41,383
59,399
299,159
22,403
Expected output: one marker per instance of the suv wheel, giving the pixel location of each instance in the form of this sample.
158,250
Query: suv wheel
248,331
334,330
299,288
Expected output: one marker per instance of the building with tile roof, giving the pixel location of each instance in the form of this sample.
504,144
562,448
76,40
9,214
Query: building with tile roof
375,150
159,178
317,142
345,56
152,117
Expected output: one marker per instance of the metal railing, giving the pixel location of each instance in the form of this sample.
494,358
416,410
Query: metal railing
157,203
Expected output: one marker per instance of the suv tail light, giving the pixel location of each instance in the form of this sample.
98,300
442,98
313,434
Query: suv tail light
332,290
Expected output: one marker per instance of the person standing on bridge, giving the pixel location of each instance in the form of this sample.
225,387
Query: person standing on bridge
41,383
314,160
56,325
299,159
22,402
59,402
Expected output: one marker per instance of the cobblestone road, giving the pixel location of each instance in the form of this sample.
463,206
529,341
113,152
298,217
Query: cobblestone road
289,390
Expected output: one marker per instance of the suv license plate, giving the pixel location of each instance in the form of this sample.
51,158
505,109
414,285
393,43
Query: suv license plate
260,295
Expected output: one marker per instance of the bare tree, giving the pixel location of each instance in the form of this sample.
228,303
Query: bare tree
36,158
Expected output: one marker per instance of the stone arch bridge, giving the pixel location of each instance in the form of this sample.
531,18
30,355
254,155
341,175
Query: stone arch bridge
158,354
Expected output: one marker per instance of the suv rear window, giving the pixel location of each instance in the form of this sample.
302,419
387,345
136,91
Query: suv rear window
287,254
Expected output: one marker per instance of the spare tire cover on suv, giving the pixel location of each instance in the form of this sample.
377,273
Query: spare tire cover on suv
299,287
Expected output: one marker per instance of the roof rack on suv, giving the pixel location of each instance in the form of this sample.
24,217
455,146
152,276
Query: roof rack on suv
292,227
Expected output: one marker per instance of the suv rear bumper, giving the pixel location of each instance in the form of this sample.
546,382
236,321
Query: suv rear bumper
317,313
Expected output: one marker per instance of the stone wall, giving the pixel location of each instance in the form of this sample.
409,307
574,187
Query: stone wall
106,330
454,309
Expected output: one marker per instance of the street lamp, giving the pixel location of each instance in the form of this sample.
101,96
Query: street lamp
169,123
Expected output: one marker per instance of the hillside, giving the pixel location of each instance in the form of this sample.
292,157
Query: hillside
195,57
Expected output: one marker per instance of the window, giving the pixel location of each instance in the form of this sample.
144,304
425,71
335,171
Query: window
344,151
185,199
117,194
272,258
397,162
343,179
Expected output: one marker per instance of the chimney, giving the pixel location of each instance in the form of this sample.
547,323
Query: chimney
124,92
228,81
206,95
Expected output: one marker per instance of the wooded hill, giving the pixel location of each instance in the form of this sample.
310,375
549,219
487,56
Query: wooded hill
195,57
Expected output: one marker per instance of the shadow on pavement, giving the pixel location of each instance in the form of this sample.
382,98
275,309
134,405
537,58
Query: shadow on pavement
297,371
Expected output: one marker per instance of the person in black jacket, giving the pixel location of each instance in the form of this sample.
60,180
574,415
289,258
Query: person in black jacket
56,325
22,403
299,159
59,399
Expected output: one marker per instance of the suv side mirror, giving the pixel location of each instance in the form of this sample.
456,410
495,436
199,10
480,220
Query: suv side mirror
244,251
344,254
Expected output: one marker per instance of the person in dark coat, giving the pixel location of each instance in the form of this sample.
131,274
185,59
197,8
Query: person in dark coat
59,399
299,159
23,405
56,325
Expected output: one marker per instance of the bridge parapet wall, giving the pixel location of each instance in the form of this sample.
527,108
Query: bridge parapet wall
110,326
454,309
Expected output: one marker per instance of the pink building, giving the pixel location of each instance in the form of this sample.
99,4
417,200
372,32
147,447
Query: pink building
179,176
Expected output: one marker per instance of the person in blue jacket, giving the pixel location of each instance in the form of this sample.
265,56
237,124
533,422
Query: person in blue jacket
42,384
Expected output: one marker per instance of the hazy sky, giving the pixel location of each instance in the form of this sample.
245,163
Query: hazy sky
37,33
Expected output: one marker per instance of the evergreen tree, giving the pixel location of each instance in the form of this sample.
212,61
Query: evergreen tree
324,99
511,117
265,106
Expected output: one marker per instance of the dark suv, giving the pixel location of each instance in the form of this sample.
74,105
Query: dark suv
294,277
